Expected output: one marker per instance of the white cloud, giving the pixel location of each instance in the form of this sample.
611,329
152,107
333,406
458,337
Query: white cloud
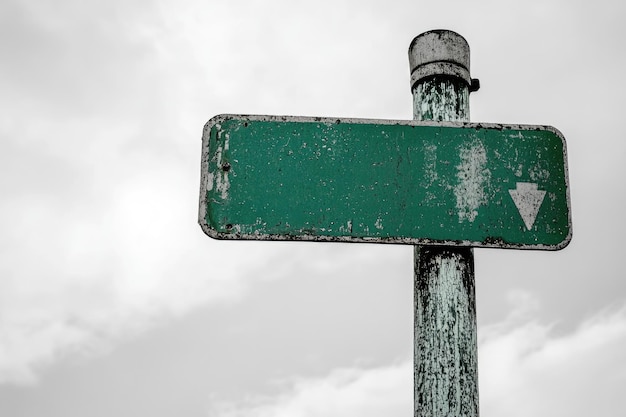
525,368
78,277
345,392
101,123
98,216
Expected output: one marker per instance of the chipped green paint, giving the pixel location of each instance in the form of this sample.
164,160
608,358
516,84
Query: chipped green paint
298,178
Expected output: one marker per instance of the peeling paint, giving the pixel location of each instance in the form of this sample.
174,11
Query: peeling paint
539,172
473,178
219,179
344,228
210,181
430,163
441,101
445,367
445,347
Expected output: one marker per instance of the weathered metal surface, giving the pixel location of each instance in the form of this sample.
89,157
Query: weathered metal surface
445,349
442,99
446,374
384,181
440,53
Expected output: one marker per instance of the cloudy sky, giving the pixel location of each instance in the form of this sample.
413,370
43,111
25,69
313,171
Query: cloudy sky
114,303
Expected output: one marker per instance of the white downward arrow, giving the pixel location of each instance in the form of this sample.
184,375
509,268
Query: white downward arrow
527,199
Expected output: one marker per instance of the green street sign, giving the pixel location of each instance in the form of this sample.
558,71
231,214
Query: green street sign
384,181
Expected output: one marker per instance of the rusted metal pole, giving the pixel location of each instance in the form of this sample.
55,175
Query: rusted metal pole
445,350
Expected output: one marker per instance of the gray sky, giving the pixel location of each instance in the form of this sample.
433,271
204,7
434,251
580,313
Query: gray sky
113,301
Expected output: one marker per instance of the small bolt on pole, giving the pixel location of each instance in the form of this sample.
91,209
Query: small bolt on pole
445,346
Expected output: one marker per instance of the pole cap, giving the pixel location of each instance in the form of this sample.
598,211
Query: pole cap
440,52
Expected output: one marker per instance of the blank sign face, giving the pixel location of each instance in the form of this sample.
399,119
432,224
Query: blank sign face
384,181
